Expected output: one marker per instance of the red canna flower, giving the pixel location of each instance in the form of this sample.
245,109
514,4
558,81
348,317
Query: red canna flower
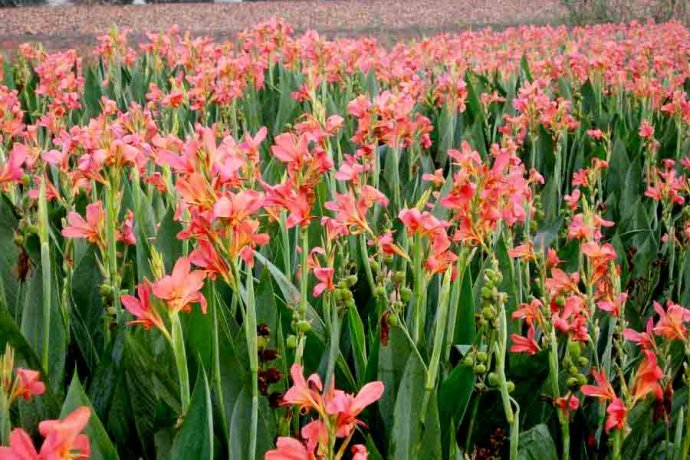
646,130
142,309
648,377
91,228
643,339
347,407
616,415
359,452
525,344
602,390
181,288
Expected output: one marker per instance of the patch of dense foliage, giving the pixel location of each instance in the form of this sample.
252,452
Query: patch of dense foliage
476,244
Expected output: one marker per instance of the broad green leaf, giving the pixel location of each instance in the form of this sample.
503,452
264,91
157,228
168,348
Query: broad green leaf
194,440
537,444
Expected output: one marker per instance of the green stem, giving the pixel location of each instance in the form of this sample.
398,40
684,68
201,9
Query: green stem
5,426
334,341
303,282
686,438
617,444
46,275
365,261
418,315
253,350
177,342
111,221
216,360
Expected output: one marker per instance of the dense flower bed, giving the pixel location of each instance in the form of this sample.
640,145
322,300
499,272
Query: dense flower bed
475,244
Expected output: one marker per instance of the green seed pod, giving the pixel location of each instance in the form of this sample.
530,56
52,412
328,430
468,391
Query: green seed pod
510,386
406,294
291,341
398,305
350,303
583,361
582,379
347,294
486,292
573,370
380,292
399,277
351,280
573,382
337,295
468,361
574,349
19,239
493,379
303,326
106,290
488,313
375,266
479,369
388,260
392,320
567,362
482,356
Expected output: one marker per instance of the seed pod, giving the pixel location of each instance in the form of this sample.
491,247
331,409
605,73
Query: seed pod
510,386
479,369
392,320
406,294
573,382
380,292
351,280
573,370
583,361
488,313
291,341
574,349
399,277
468,361
494,380
303,326
481,356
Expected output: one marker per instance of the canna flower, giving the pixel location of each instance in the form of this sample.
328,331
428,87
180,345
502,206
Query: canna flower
646,130
602,390
315,433
62,437
181,288
306,394
671,321
289,449
91,228
28,384
643,339
325,277
359,452
12,170
616,415
347,407
20,448
142,309
525,344
648,377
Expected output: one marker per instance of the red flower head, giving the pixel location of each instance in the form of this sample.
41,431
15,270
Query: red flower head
181,288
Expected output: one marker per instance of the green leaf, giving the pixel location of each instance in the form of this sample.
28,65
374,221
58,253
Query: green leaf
101,445
239,431
410,437
392,358
10,334
537,444
195,438
166,240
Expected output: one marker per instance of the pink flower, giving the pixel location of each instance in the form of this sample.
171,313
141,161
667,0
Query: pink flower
359,452
289,449
348,407
304,393
646,130
28,384
182,287
21,447
325,276
141,308
62,437
91,228
12,170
